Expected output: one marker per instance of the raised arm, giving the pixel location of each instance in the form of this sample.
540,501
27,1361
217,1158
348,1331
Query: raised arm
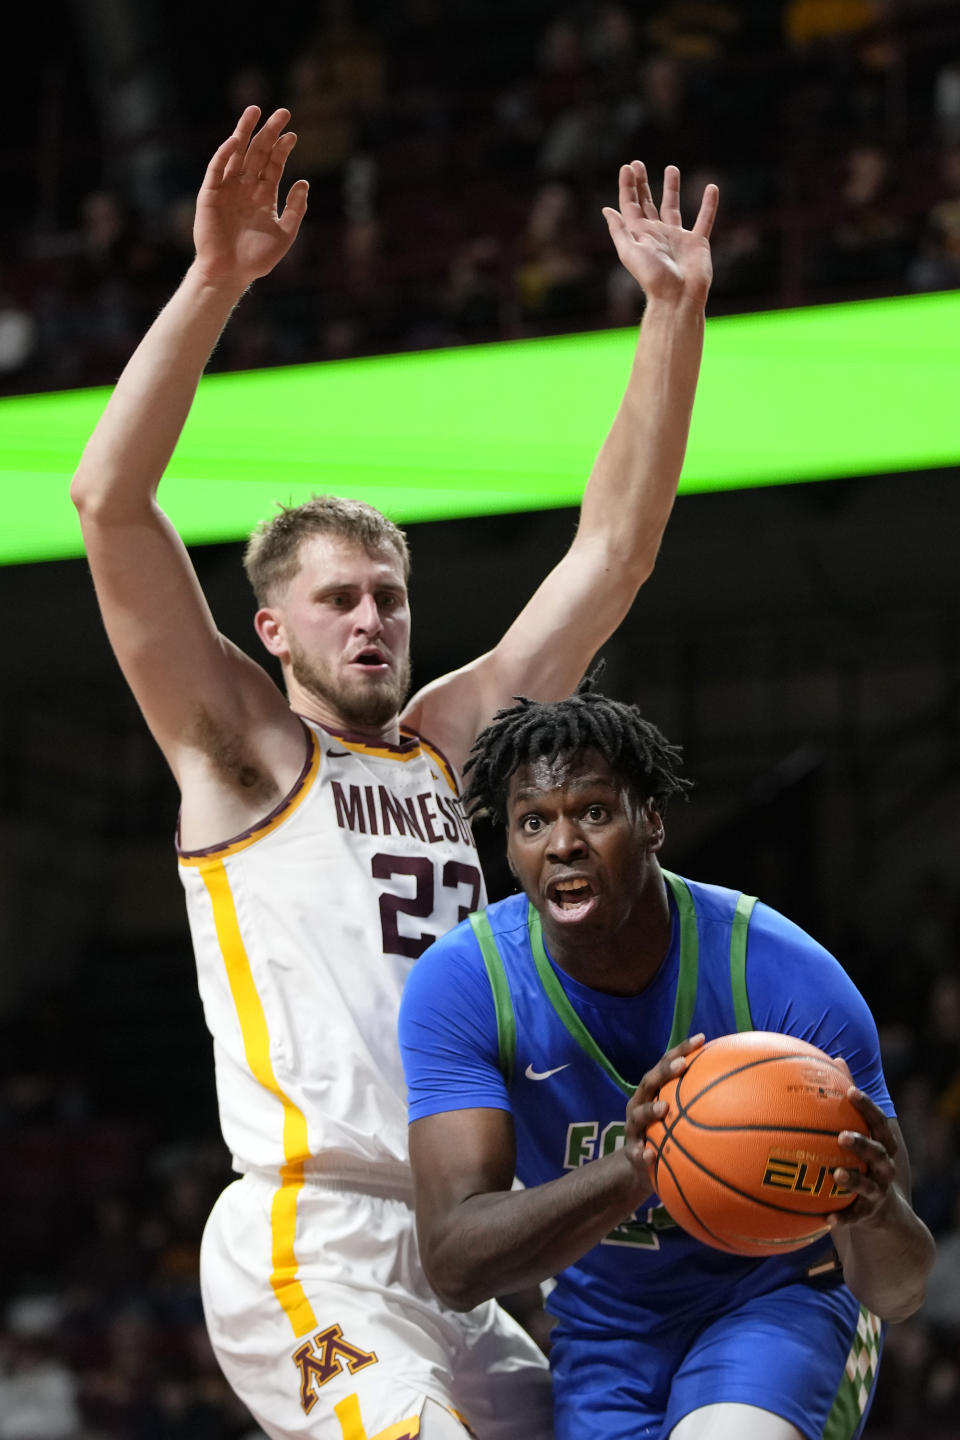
631,489
884,1247
185,676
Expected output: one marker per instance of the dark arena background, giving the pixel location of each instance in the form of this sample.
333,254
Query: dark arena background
801,641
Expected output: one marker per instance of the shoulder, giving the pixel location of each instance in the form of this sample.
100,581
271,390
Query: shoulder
710,902
797,986
768,929
451,974
461,950
429,748
233,791
448,1005
446,977
507,918
449,712
788,943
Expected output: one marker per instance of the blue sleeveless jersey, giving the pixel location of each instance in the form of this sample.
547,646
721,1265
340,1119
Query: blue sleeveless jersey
488,1020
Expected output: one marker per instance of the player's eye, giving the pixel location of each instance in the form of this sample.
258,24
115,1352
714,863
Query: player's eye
530,824
597,814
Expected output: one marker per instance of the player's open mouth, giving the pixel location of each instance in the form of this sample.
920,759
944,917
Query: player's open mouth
572,899
370,660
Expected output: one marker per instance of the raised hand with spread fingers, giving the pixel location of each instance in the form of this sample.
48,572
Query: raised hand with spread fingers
240,231
666,260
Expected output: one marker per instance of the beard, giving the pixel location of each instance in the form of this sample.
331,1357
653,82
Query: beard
362,703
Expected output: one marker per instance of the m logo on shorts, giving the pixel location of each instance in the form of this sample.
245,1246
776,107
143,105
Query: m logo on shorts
322,1357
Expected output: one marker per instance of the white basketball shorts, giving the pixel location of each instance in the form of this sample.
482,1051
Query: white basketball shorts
340,1337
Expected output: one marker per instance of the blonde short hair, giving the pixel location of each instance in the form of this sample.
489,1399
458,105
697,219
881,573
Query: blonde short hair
272,556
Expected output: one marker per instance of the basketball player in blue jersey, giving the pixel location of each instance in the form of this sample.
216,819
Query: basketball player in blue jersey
322,841
536,1036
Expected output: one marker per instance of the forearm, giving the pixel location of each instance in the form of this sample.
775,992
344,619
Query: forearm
633,484
131,446
886,1259
496,1243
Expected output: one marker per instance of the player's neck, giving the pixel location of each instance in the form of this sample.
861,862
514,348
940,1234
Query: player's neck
611,969
321,712
619,962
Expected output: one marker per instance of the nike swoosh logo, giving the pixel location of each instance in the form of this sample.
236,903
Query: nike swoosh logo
532,1074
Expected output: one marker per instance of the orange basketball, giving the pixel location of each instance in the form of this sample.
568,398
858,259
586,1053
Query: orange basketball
746,1151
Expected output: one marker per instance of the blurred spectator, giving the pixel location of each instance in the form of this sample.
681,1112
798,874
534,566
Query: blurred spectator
813,22
745,258
610,46
572,117
869,241
663,121
407,121
561,71
335,88
936,266
936,1172
18,336
694,30
350,56
248,85
744,263
326,130
946,102
538,113
900,1408
941,1308
473,299
848,72
38,1392
940,1043
554,278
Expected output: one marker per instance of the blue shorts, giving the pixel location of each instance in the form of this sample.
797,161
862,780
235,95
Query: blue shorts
809,1354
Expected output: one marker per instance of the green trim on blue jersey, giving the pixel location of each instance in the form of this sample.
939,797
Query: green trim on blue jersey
689,959
500,987
558,999
738,961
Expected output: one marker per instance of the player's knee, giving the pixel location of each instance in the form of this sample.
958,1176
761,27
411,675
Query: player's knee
730,1421
437,1423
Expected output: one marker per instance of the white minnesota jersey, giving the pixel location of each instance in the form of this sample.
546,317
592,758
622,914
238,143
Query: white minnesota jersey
304,930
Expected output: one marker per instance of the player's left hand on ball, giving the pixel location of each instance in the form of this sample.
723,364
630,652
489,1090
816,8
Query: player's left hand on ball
876,1150
643,1107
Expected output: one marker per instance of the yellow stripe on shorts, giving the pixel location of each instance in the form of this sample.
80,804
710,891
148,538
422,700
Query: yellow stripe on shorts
348,1413
256,1044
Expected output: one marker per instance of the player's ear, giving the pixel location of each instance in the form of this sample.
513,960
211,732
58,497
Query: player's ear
269,627
655,831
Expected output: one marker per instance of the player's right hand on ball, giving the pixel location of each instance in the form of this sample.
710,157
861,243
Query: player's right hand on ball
643,1107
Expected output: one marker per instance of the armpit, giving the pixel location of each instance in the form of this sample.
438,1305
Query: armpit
231,756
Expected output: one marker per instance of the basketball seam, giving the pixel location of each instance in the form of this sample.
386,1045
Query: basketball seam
739,1070
726,1184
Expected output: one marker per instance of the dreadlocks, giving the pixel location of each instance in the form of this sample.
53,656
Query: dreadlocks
530,730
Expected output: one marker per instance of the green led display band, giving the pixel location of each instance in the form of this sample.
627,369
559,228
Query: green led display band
784,396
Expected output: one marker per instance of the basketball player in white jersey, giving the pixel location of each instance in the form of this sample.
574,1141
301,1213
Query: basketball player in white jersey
322,843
